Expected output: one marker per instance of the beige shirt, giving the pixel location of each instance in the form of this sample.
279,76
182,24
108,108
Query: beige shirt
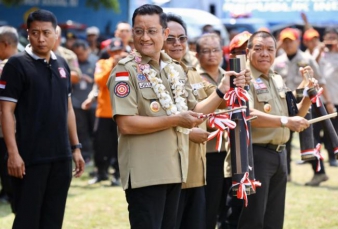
71,59
268,90
289,70
189,59
197,159
155,158
211,145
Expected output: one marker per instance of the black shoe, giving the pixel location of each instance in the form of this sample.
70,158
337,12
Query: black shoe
93,173
333,163
97,179
116,181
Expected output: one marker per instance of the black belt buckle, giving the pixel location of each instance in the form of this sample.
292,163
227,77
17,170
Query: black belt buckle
280,148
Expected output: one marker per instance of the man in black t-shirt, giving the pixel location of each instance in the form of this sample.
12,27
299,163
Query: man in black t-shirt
39,127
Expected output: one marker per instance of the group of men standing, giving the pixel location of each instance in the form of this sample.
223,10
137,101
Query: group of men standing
157,100
154,103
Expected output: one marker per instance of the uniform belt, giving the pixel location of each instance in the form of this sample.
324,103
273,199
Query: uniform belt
277,148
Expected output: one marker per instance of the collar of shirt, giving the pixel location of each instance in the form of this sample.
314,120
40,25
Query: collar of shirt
255,73
201,71
28,50
164,60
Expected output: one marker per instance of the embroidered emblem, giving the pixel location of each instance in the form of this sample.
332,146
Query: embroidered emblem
122,89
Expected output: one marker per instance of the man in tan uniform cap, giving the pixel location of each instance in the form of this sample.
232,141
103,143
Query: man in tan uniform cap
151,98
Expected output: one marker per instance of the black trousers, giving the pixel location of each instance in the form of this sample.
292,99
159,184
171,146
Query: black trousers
40,197
266,207
5,179
105,145
85,130
317,127
191,210
216,189
153,207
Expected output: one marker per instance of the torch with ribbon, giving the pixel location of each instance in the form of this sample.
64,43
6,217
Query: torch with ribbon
239,136
306,138
308,151
242,59
321,111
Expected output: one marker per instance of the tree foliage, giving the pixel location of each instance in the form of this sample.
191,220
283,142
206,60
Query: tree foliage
94,4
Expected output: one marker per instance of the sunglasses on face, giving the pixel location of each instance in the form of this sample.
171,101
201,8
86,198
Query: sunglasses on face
172,40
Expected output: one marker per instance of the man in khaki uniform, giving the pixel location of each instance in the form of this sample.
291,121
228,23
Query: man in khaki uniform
151,98
191,209
69,56
270,131
209,54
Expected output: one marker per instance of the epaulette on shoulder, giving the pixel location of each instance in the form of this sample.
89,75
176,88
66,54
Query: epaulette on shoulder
185,67
126,59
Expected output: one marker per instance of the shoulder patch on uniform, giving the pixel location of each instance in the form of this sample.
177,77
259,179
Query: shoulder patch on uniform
122,89
126,59
122,76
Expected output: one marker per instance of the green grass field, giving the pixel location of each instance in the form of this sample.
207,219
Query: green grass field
100,206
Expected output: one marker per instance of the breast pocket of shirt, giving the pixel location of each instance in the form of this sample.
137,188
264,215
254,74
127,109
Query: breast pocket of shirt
263,97
150,105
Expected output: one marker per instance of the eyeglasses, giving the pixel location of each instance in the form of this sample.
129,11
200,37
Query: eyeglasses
172,40
150,32
209,51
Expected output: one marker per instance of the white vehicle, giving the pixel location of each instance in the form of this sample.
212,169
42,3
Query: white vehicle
195,19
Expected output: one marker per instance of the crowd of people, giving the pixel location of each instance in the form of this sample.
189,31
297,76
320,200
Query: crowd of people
132,105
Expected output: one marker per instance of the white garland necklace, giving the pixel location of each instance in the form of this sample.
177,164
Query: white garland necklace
161,92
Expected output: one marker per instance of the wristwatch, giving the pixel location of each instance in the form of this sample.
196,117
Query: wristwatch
76,146
284,120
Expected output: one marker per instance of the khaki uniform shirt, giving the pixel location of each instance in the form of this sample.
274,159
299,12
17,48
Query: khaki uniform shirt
211,145
289,70
197,160
268,90
71,59
190,59
155,158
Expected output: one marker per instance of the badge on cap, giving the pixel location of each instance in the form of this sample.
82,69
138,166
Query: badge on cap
154,106
267,108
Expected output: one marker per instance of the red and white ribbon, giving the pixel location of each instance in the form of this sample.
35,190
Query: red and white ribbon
316,153
240,95
316,98
221,122
241,191
236,93
255,183
318,156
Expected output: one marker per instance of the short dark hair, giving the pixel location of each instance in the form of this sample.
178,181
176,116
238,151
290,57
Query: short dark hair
206,36
177,19
150,10
80,44
41,15
262,34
